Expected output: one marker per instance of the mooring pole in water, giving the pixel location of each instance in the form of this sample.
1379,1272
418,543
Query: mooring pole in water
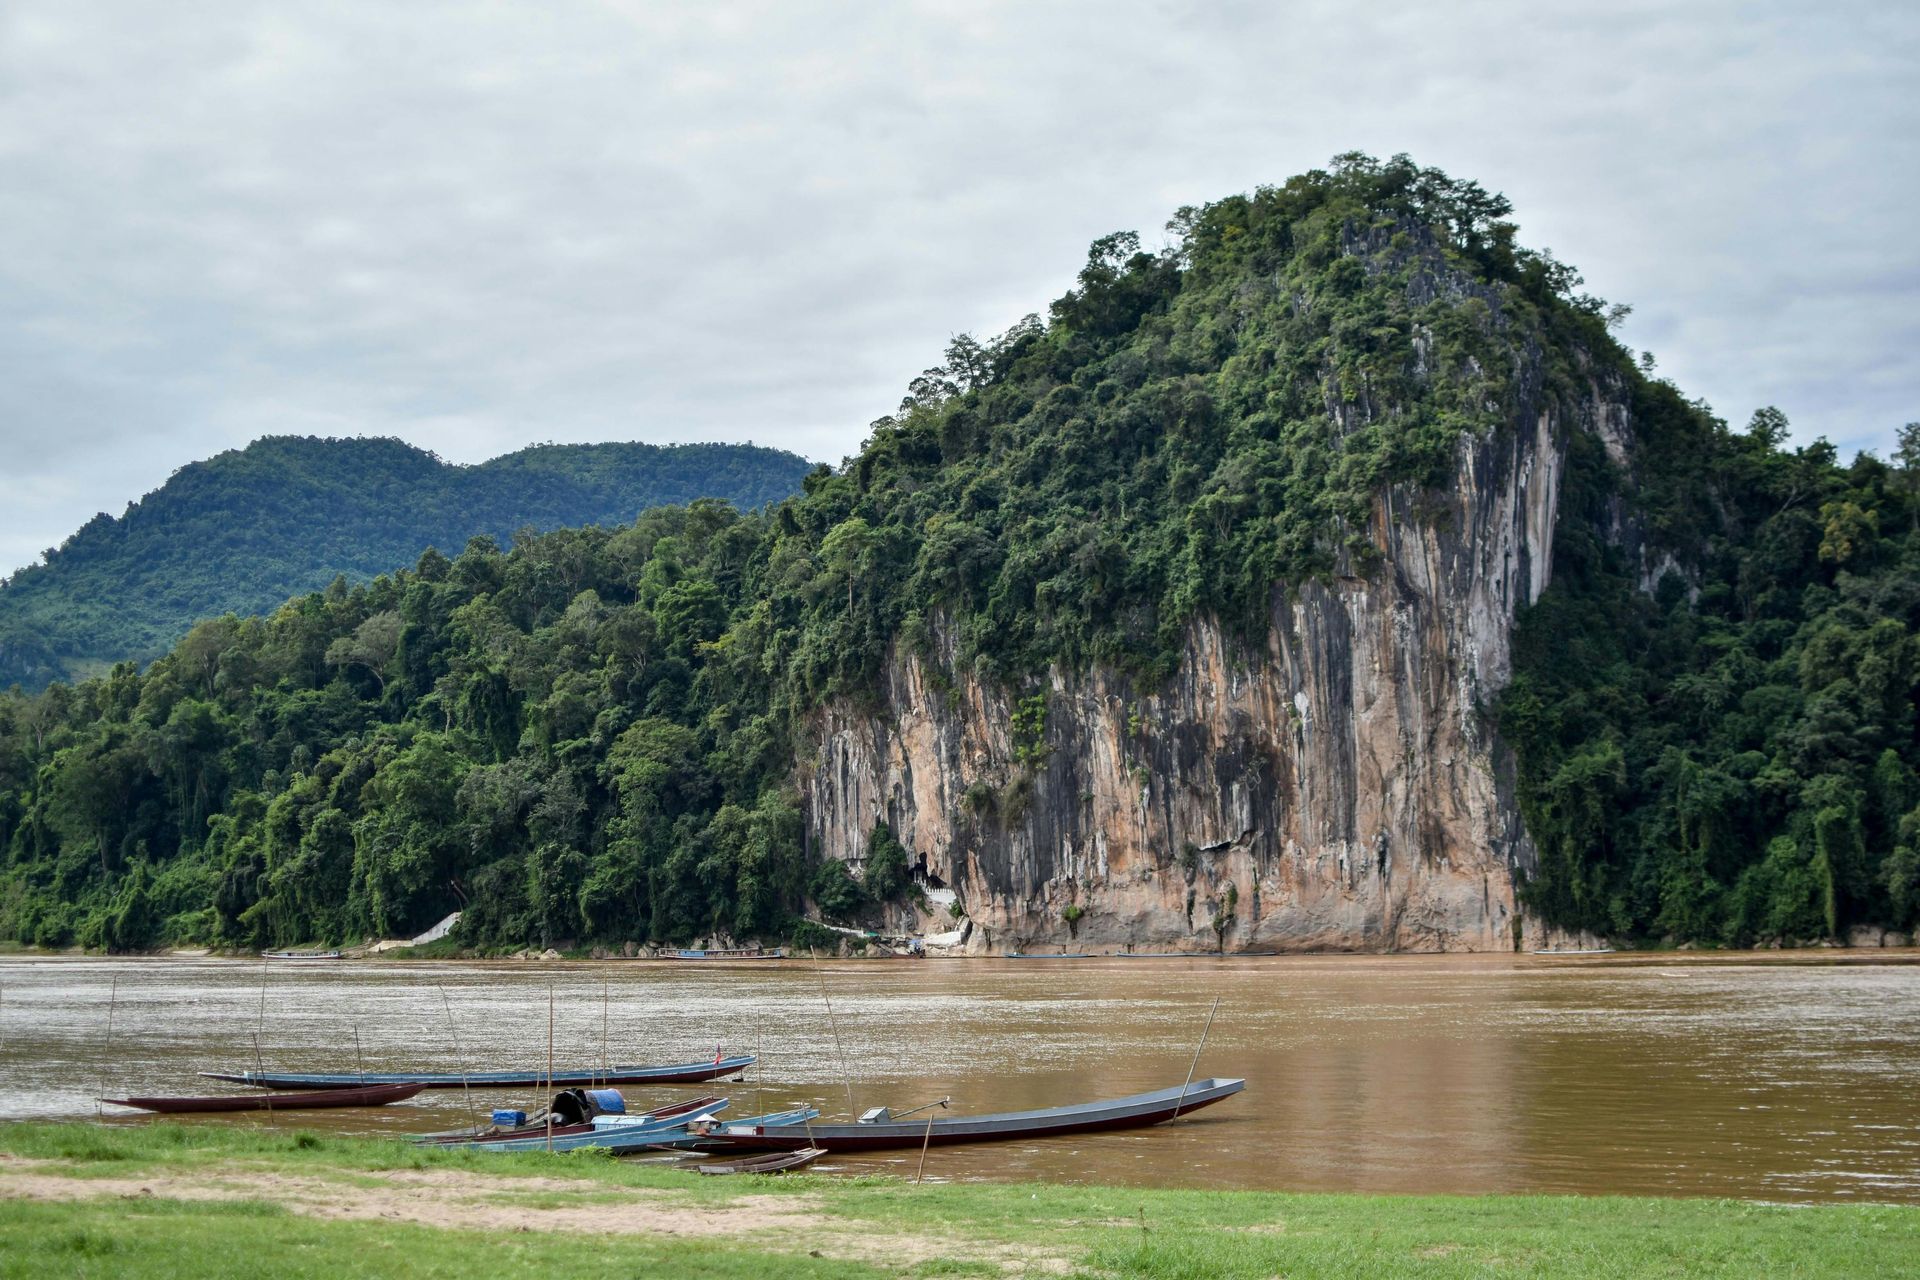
1196,1060
927,1141
260,1023
759,1026
549,1067
357,1057
106,1046
260,1070
606,1062
466,1087
834,1023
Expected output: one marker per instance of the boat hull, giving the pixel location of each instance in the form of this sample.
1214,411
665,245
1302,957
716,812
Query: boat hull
377,1095
568,1077
681,1111
1134,1112
616,1137
774,1162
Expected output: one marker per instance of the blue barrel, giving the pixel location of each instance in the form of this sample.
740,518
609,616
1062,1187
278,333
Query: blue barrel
607,1102
510,1119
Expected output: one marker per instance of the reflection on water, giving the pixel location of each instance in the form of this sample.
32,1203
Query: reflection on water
1740,1076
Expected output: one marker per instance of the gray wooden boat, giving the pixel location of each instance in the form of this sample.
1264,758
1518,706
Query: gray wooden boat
772,1162
878,1131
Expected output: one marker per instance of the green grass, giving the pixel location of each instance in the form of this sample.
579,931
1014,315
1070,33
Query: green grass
871,1226
242,1239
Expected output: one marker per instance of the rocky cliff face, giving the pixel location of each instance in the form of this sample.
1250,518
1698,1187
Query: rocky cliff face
1339,789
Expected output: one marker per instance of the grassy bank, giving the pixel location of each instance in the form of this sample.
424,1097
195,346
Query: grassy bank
172,1200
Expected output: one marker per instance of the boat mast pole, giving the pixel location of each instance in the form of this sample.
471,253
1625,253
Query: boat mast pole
835,1025
466,1087
1196,1060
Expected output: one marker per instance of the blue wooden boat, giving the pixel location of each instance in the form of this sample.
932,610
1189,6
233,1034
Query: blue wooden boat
566,1116
615,1135
564,1077
878,1131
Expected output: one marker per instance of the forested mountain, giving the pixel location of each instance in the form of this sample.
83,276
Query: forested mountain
1207,475
243,531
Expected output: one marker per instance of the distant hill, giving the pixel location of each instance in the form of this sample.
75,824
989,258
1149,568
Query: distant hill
243,531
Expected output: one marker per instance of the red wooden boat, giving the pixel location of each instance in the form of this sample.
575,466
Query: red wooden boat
372,1095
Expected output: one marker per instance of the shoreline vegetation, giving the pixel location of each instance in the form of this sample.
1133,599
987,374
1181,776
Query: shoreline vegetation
166,1199
1824,951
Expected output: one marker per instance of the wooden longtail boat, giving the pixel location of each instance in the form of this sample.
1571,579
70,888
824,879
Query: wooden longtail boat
300,955
880,1134
773,1162
536,1126
376,1095
685,1073
611,1133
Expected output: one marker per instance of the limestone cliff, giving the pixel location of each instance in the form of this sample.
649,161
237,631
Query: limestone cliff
1338,789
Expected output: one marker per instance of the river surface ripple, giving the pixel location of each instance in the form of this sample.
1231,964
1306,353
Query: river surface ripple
1751,1076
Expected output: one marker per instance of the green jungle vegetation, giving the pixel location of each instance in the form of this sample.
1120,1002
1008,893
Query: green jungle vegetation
1716,737
361,1206
593,736
243,531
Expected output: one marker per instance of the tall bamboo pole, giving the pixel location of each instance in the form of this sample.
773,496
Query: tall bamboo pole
466,1086
549,1066
106,1046
834,1024
1196,1060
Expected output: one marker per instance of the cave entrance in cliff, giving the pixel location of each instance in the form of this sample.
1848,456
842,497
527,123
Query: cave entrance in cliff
927,877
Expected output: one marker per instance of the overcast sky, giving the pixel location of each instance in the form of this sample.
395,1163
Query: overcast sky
480,225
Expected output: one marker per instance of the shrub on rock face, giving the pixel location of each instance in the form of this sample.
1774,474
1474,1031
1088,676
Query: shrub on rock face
835,891
886,875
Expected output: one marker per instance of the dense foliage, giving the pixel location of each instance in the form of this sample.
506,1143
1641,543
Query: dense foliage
594,735
1717,735
243,531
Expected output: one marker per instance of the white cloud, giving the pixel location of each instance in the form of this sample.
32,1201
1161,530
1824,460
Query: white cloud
478,225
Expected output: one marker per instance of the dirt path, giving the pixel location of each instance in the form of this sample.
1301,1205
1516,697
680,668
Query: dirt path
456,1199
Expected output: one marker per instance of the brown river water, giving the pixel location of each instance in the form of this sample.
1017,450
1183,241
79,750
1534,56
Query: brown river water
1762,1077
